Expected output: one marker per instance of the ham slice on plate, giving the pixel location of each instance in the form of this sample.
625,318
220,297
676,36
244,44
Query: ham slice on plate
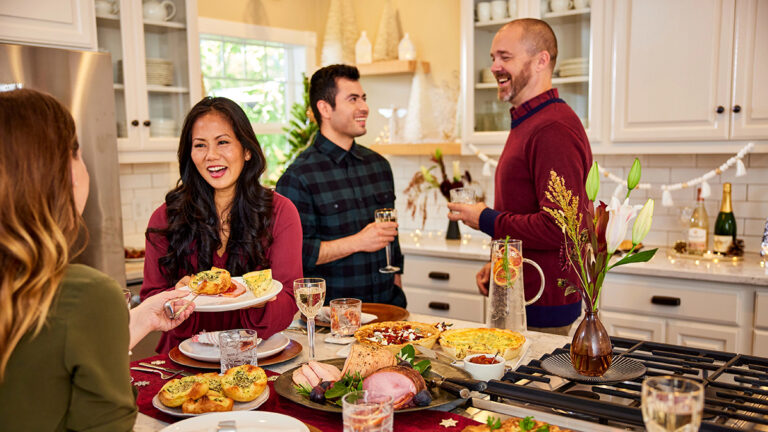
402,383
235,290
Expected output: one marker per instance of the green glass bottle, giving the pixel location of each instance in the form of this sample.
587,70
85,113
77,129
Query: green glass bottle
725,224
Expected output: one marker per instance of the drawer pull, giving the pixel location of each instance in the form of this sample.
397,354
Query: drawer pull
439,306
439,275
665,301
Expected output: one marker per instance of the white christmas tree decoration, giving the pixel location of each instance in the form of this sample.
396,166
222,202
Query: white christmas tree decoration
419,121
333,40
392,114
388,37
349,32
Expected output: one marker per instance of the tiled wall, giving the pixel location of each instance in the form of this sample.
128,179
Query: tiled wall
143,188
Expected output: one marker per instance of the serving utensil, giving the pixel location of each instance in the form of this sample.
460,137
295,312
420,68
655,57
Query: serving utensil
162,374
171,314
173,371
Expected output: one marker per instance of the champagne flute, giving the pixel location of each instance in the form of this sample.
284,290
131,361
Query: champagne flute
310,295
387,215
672,404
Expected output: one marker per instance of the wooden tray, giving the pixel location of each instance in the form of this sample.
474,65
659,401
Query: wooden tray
383,312
292,350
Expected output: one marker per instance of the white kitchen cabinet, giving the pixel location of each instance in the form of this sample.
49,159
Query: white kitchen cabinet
56,23
485,120
681,72
760,337
634,326
444,287
156,77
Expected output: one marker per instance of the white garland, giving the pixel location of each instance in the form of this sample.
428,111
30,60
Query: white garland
667,188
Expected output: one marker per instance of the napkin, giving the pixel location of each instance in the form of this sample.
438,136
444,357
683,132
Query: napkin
210,338
325,315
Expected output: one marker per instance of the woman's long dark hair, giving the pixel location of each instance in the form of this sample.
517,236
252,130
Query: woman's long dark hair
193,222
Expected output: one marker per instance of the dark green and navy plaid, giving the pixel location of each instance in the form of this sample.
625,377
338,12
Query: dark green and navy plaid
336,193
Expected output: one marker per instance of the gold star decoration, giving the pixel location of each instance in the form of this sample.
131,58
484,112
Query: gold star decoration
141,383
157,362
448,423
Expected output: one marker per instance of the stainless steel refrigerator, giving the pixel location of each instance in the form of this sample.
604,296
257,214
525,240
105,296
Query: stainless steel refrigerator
82,81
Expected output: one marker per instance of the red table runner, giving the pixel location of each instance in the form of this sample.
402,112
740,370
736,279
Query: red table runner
416,421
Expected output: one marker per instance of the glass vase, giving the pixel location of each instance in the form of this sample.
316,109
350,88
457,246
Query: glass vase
453,233
591,348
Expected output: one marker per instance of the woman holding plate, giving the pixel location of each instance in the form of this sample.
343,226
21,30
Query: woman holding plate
219,215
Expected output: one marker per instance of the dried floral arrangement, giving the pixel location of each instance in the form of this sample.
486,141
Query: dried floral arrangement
424,184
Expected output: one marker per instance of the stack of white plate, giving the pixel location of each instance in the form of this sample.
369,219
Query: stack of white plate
163,127
574,67
159,71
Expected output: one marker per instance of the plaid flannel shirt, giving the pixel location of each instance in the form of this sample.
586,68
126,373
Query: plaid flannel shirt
336,192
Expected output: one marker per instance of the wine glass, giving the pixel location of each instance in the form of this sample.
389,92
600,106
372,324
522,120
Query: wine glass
310,295
672,404
387,215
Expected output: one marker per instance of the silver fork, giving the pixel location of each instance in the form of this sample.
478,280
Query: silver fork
162,374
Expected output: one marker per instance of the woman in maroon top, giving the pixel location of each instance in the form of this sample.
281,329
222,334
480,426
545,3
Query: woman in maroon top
220,215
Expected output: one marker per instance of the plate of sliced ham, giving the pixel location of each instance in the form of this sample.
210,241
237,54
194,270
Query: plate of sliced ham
238,297
205,346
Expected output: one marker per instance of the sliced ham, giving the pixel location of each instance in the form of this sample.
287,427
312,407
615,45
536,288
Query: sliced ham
367,359
325,371
235,290
402,383
310,375
300,379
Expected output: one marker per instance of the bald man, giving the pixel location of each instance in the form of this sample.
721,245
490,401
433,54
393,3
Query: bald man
545,134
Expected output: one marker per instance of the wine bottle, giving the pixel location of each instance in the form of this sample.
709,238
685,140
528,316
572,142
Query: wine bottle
698,229
725,224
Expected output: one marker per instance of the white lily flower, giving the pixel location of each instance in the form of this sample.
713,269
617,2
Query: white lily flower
619,218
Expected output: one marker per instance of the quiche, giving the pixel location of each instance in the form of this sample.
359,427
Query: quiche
394,335
259,282
244,383
463,342
211,282
516,424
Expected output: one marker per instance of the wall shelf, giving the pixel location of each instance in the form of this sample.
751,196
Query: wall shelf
417,149
391,67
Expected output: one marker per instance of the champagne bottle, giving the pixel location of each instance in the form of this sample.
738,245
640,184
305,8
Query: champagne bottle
698,229
725,224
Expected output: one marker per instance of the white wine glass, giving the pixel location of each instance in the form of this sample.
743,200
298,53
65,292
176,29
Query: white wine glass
672,404
310,295
387,215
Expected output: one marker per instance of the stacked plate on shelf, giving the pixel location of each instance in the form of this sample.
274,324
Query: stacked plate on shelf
573,67
159,71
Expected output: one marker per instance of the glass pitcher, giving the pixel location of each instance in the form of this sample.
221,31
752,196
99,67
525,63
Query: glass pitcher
506,297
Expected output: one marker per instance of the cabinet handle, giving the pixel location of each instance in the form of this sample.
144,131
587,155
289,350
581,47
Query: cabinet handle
439,306
439,275
147,122
720,109
737,108
665,301
134,122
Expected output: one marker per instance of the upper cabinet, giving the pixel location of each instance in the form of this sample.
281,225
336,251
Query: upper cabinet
156,59
578,28
689,70
57,23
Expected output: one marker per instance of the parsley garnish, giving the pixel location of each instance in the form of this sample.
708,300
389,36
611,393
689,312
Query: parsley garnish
493,423
527,424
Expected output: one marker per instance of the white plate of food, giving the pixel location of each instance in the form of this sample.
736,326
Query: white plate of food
221,303
238,406
210,353
247,421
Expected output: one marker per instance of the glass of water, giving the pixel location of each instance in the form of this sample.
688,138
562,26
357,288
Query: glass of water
387,215
463,196
364,411
238,347
672,403
345,316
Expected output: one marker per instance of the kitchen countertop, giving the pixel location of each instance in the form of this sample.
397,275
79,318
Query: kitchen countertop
476,246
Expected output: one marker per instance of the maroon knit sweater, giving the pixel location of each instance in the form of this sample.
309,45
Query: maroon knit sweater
545,135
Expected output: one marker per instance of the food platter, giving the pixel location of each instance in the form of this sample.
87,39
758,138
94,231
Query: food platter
247,420
383,312
284,387
211,353
238,406
292,350
244,300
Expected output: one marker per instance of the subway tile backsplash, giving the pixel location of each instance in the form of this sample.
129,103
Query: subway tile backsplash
143,188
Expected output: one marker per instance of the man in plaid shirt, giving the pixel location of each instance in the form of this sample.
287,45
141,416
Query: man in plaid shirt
337,185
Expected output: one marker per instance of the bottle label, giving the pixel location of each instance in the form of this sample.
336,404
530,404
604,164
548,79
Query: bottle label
721,243
697,238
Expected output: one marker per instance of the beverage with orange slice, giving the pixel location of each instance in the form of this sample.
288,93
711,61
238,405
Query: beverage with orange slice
506,298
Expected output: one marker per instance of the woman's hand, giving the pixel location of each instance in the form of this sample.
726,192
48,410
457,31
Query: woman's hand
150,314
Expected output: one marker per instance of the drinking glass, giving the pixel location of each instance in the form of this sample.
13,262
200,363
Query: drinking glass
506,305
671,403
127,295
310,295
238,347
387,215
364,411
345,316
462,196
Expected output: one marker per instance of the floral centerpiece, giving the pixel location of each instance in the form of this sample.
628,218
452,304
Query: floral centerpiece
590,240
424,182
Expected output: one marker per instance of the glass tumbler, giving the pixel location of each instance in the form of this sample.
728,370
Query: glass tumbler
364,411
238,347
345,316
671,403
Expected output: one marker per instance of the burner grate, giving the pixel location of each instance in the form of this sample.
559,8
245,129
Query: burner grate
736,386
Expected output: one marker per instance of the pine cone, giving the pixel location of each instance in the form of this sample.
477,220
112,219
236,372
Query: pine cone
680,247
736,248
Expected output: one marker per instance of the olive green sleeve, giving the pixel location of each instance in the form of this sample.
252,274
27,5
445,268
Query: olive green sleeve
96,353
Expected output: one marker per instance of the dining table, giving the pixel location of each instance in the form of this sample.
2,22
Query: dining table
453,417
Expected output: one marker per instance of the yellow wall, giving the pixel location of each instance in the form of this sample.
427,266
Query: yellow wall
433,26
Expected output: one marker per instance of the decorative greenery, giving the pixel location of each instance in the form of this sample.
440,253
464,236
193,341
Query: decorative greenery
303,126
493,423
408,354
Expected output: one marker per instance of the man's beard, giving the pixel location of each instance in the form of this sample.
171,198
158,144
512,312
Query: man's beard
516,83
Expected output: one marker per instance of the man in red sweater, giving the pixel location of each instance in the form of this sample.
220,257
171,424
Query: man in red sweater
545,134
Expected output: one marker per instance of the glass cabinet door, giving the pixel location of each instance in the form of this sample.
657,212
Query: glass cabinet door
110,34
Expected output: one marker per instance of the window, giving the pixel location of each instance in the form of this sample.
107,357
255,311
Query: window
261,69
